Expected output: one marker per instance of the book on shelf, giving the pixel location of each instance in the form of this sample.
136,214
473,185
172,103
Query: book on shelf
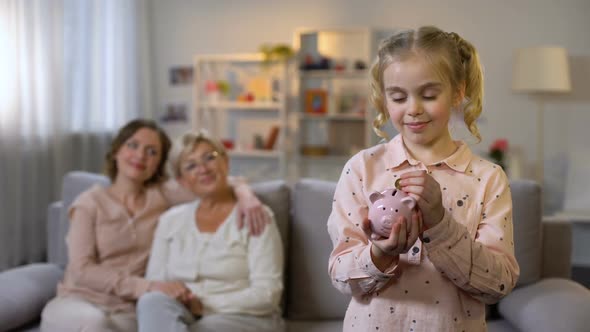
272,138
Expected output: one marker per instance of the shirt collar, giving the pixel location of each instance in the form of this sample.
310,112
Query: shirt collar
458,161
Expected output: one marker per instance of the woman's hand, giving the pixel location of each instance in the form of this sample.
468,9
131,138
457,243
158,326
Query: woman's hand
252,211
402,237
174,289
250,208
195,306
426,191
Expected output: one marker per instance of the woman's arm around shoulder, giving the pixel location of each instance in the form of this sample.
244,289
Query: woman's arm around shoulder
251,211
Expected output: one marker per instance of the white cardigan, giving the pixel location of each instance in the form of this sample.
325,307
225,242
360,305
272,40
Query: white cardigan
229,270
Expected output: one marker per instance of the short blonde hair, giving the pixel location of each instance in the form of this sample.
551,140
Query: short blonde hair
455,60
187,143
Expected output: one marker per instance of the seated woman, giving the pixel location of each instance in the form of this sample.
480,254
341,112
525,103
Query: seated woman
235,280
111,232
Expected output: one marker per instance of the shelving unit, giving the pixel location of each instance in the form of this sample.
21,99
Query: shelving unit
238,97
324,141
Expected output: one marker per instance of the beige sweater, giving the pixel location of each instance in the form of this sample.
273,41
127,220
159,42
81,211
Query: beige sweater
108,250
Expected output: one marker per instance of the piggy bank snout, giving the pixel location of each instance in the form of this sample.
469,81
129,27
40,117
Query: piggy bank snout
387,206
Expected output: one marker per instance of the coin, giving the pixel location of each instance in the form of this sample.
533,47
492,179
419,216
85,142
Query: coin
397,185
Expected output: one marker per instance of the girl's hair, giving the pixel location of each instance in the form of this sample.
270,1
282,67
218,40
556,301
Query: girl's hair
187,143
110,166
455,60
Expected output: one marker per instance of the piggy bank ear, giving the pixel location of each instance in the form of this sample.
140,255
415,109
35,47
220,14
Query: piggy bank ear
409,202
375,196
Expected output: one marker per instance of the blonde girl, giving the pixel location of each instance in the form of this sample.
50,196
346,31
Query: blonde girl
436,271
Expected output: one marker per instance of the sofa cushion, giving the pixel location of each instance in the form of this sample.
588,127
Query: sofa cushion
310,294
276,194
548,305
500,325
24,292
527,212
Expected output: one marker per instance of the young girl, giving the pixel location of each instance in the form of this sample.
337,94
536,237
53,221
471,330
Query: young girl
436,271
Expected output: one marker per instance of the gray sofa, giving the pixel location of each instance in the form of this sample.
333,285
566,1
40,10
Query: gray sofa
544,300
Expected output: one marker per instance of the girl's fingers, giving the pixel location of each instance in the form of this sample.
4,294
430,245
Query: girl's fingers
414,231
393,240
413,174
366,227
402,235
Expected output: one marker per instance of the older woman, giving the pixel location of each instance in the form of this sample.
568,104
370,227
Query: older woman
235,279
110,236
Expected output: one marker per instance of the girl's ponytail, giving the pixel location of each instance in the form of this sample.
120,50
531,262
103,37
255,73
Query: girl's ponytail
473,83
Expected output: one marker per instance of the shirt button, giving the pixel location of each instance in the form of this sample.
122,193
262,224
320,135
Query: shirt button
426,240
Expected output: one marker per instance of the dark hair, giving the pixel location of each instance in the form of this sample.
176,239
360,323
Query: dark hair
110,166
454,58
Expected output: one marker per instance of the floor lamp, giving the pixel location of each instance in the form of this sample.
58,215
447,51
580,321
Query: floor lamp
541,71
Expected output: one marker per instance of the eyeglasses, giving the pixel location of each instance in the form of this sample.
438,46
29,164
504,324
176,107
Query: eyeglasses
206,160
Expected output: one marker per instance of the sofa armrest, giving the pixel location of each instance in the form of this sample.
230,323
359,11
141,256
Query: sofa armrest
548,305
54,243
24,291
557,249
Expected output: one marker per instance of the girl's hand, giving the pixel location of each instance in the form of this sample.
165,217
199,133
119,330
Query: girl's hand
426,191
402,237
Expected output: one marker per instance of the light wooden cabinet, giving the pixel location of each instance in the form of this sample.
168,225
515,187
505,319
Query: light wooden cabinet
242,100
333,116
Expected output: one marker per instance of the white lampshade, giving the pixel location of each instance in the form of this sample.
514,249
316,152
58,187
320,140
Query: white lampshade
541,69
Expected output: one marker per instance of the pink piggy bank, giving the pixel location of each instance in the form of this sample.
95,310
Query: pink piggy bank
386,207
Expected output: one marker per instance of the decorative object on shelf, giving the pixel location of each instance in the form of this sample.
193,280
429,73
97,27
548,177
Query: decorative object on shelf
260,87
316,63
272,138
258,142
360,65
276,52
351,101
315,139
541,72
227,143
498,151
316,101
214,90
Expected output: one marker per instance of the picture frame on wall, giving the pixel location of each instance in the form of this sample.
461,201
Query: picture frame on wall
181,75
316,101
174,112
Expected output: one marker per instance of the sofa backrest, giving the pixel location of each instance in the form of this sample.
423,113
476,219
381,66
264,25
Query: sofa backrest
527,214
73,184
310,294
275,194
302,213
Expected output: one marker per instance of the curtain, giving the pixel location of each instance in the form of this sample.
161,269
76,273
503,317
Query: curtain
72,72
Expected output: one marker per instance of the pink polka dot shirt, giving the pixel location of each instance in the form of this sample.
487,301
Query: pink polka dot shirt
447,277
